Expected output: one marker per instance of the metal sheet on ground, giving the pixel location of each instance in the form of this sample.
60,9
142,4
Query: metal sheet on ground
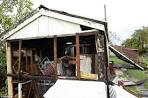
77,89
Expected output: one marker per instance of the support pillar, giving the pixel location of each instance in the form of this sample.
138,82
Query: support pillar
55,53
9,68
78,56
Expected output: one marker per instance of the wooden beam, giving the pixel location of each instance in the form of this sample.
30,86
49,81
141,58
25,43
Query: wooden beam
19,56
9,68
55,53
32,77
78,56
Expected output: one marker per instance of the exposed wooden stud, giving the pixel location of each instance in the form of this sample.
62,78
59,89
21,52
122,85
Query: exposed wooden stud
19,56
9,68
97,66
78,56
31,57
31,61
29,92
97,63
55,53
26,59
41,54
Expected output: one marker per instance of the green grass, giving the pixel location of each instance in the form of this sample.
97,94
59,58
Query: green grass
116,60
139,75
132,89
144,60
135,73
146,84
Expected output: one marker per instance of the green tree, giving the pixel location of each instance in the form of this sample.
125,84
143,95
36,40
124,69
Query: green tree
11,11
139,40
2,65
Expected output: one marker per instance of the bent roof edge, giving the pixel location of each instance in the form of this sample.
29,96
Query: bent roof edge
72,15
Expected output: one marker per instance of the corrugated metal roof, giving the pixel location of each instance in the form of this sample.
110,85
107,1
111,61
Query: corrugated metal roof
124,58
133,54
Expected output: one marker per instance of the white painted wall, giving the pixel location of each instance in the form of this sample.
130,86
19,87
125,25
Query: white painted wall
45,26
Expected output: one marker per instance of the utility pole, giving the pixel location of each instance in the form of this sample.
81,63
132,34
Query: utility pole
107,80
105,18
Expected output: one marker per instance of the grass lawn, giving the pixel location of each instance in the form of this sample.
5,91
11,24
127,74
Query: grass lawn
135,73
132,89
144,60
116,60
139,75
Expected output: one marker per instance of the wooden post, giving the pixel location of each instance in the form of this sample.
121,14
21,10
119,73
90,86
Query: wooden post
78,56
97,63
19,55
31,58
55,53
9,68
31,61
26,60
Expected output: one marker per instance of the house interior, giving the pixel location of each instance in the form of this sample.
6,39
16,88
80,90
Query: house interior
78,56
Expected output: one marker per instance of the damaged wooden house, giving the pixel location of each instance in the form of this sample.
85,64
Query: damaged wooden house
54,43
49,45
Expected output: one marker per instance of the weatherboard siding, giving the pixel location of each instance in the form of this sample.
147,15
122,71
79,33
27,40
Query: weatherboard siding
45,26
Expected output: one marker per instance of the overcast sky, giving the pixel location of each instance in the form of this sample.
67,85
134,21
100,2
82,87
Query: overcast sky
123,16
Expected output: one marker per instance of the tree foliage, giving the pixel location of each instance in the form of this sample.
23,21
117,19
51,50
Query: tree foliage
11,11
139,40
2,65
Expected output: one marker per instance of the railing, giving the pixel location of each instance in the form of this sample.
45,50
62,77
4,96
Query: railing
5,97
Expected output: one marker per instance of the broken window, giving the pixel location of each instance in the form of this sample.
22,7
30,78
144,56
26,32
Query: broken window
92,56
87,57
36,54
